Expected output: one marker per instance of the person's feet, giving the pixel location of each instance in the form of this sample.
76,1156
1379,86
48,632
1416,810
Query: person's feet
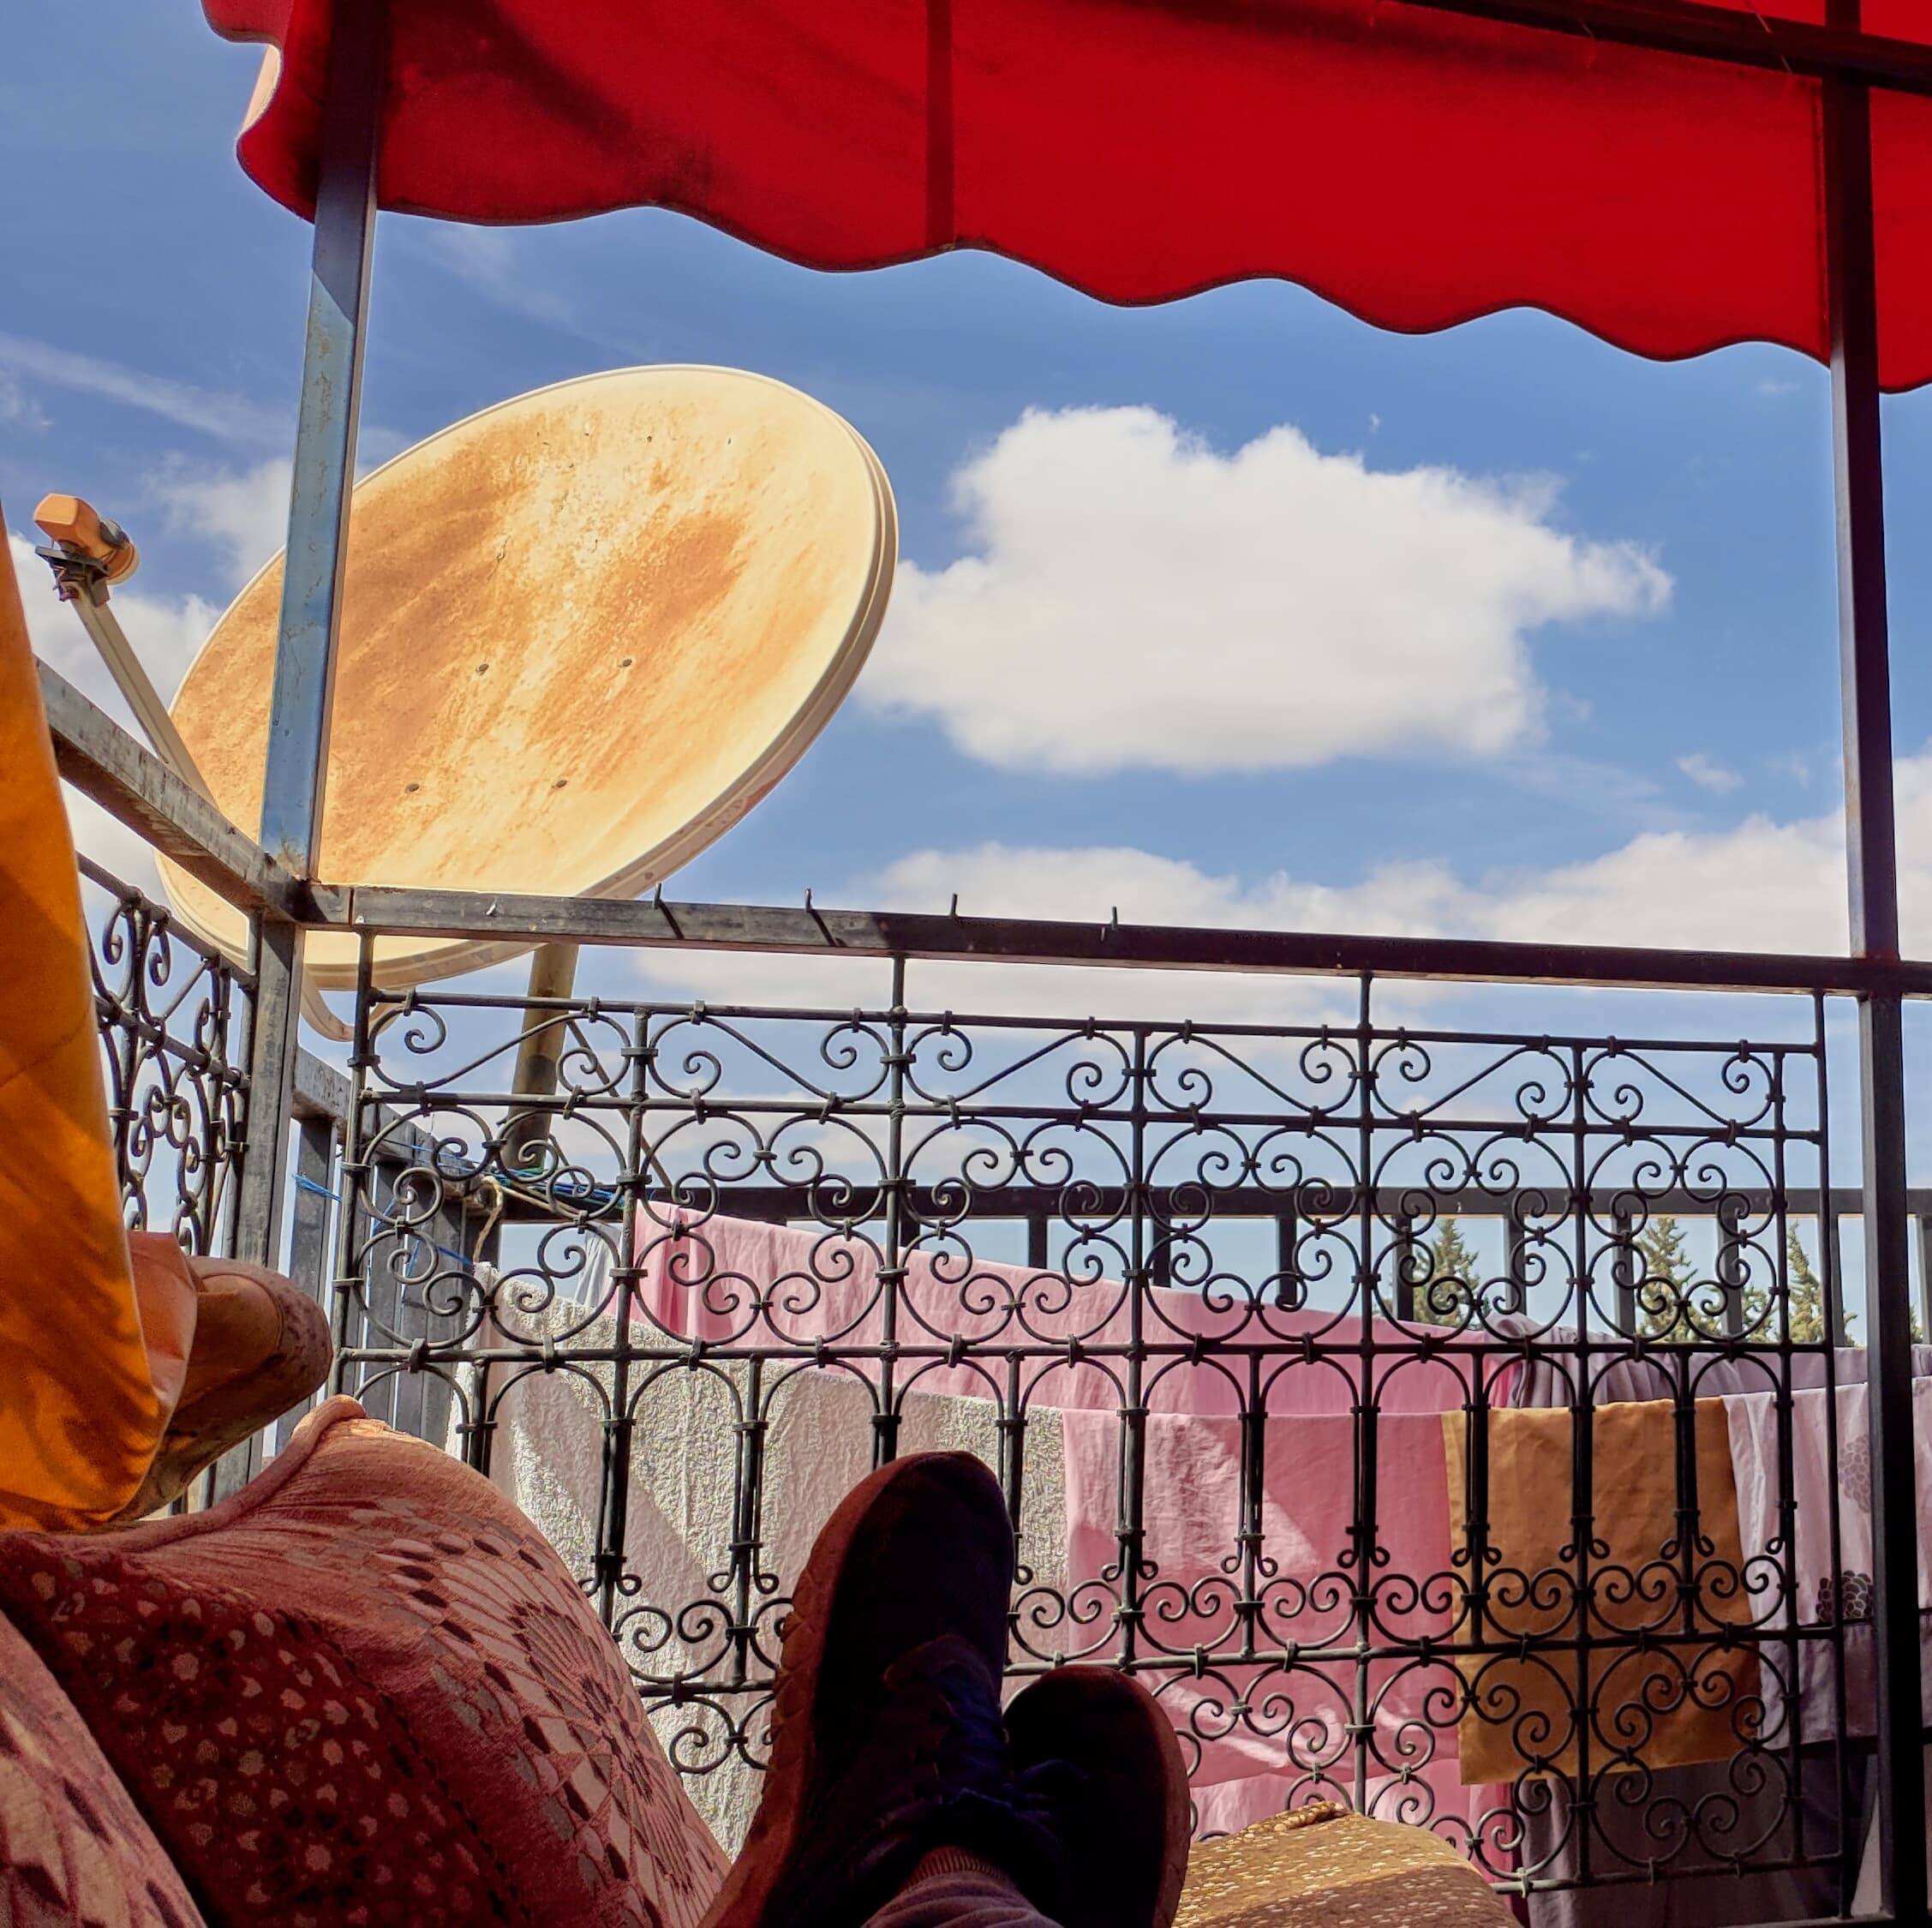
1096,1761
886,1733
260,1347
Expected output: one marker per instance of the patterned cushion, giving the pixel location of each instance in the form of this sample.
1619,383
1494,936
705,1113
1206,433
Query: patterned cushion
74,1853
365,1694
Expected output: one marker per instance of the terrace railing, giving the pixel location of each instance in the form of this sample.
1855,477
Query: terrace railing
1181,1281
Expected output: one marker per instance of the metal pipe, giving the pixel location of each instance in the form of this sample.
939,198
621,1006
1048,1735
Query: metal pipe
296,770
137,688
305,651
1735,36
118,771
539,1057
102,761
495,916
1872,881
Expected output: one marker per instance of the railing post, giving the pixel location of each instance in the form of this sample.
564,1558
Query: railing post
1924,1223
1626,1270
1872,865
305,650
310,1255
1288,1276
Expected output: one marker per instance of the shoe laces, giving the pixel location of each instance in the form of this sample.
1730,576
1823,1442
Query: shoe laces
965,1740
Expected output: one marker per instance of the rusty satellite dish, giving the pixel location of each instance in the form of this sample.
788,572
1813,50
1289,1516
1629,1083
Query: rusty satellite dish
584,632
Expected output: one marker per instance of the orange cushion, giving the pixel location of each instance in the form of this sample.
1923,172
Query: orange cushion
82,1402
365,1692
74,1853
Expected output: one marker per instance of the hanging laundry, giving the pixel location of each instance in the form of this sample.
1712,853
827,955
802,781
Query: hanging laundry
1809,1599
1261,1736
1546,1700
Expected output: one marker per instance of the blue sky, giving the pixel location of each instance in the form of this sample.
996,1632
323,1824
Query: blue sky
1622,716
1718,470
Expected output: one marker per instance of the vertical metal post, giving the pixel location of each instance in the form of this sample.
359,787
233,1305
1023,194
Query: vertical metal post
309,1257
1038,1250
892,1267
1408,1259
1733,1272
1872,864
305,650
1625,1272
526,1137
1924,1223
1288,1276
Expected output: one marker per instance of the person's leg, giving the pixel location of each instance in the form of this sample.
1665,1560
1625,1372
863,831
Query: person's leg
953,1888
885,1728
893,1798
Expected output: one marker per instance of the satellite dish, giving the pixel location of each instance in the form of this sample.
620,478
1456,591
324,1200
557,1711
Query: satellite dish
584,632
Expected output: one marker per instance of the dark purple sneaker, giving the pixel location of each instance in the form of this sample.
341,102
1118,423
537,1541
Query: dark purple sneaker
1095,1762
886,1735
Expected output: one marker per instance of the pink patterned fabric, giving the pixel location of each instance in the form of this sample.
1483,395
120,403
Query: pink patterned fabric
74,1853
365,1694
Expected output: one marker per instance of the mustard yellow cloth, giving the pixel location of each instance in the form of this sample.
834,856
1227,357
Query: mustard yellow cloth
1665,1706
1306,1870
90,1358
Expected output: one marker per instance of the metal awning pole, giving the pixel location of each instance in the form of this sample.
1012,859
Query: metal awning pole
305,650
1871,852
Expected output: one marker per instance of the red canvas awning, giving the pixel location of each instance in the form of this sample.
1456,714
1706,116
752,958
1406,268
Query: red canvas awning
1416,166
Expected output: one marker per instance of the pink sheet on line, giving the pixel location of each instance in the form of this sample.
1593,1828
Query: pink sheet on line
1191,1519
701,1279
707,1284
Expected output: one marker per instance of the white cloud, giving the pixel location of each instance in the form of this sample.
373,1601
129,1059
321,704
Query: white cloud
1135,600
165,633
244,515
122,852
486,259
1757,884
228,418
1708,775
1082,884
18,408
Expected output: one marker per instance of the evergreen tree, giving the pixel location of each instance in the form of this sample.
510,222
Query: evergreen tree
1805,1292
1804,1298
1455,1285
1663,1286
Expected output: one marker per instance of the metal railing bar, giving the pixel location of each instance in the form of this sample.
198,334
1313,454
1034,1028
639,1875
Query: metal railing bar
505,917
1736,37
938,1205
934,1022
110,765
1288,1351
133,785
669,1104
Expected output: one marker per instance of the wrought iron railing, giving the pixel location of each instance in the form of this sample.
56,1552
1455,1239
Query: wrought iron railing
1188,1285
1150,1269
174,1018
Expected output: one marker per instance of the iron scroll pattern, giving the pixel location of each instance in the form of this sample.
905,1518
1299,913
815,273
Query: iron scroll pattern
1180,1284
173,1017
